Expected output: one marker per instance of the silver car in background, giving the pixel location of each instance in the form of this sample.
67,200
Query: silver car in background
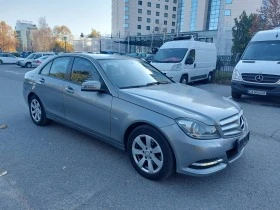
164,126
39,61
27,62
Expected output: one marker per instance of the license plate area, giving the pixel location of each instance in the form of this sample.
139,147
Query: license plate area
257,92
241,143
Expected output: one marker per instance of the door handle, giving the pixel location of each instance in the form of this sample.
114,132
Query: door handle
42,80
69,89
194,65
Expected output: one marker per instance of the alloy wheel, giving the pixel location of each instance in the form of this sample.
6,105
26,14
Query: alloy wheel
36,111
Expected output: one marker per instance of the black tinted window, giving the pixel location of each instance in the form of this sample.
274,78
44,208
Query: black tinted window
191,57
83,70
59,67
267,51
46,69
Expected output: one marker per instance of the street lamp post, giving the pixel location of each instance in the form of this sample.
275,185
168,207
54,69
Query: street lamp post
65,38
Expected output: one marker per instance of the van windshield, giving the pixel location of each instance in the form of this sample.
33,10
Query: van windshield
173,55
264,50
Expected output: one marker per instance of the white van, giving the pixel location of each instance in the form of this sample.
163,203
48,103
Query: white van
258,71
186,60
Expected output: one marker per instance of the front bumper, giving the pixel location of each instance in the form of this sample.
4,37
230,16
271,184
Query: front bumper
202,157
243,88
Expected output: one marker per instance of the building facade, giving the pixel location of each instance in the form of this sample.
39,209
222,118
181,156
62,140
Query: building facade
146,17
24,34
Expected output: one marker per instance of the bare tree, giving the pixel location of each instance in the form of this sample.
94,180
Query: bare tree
270,13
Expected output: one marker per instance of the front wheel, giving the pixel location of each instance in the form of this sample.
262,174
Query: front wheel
150,153
184,79
1,62
37,111
236,95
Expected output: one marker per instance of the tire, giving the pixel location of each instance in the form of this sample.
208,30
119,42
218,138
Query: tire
184,79
1,62
153,159
236,95
37,111
28,65
210,77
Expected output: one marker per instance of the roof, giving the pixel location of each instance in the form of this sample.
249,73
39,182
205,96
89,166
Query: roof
99,56
267,35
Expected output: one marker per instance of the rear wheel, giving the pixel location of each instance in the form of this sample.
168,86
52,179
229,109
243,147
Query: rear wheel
37,111
209,78
28,65
184,79
236,95
150,153
1,62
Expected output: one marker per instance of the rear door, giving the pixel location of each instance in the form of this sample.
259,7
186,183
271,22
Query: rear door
89,110
51,82
190,65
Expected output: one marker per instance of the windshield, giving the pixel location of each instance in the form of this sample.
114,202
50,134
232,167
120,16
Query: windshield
172,55
132,73
266,51
31,56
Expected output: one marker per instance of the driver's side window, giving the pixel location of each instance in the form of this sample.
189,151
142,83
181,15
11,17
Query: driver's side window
83,70
191,57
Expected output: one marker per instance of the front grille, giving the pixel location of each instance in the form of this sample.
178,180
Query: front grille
261,78
233,125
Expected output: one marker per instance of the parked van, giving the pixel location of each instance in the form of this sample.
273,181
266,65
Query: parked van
186,60
258,71
27,62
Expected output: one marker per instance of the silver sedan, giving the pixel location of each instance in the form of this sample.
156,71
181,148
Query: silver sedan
165,127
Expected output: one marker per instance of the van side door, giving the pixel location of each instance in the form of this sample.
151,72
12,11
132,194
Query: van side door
190,65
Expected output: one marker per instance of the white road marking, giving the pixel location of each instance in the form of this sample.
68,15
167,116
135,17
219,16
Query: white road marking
14,72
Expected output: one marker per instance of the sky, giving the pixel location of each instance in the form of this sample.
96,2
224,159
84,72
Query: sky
79,15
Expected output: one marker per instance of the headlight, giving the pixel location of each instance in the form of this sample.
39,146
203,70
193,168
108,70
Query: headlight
176,67
236,75
197,129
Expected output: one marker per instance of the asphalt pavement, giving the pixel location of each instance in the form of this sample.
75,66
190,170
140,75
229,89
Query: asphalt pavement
56,167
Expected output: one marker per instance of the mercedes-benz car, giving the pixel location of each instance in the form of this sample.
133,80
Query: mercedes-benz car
164,126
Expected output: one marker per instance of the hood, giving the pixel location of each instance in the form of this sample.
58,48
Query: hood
176,100
259,67
163,66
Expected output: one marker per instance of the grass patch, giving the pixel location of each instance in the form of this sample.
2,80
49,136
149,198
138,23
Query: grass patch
222,77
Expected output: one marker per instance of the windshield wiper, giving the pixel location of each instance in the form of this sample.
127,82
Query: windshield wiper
157,83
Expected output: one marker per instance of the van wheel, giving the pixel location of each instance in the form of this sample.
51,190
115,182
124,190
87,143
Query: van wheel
1,62
209,78
184,79
236,95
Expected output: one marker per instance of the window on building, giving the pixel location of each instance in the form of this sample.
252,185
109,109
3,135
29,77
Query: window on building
138,34
172,30
157,21
140,11
156,28
175,1
138,26
126,17
148,20
227,12
126,9
149,4
125,25
149,12
125,1
166,7
158,6
166,0
165,14
165,22
139,19
213,15
157,13
139,2
228,1
174,9
173,23
174,16
148,28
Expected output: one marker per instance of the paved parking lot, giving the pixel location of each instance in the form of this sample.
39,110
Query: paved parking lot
55,167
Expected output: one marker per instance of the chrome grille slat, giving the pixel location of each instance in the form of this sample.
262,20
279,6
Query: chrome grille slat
233,125
267,78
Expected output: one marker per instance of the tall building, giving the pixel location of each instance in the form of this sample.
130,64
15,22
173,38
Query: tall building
143,17
205,17
24,34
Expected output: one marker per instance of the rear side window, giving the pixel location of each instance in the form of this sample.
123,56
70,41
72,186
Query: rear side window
37,56
59,67
83,70
46,69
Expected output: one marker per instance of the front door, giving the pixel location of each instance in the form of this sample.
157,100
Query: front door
89,110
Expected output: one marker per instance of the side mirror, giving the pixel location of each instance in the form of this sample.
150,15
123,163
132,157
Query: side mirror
237,57
91,86
189,61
